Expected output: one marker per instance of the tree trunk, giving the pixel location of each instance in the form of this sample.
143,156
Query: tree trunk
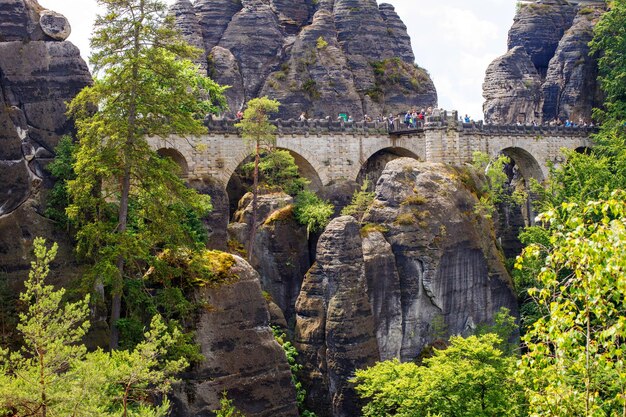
42,384
118,285
255,192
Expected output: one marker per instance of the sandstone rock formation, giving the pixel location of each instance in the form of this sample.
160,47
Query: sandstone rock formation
547,72
335,330
320,57
281,253
242,357
427,266
39,72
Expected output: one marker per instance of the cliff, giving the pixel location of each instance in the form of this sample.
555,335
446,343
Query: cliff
39,72
547,71
422,266
241,356
320,57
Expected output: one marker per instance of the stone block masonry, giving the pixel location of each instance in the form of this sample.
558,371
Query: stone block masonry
329,152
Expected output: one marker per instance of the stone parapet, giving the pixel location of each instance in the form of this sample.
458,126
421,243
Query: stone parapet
332,127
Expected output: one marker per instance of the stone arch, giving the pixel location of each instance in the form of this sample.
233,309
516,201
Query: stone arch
374,165
177,157
527,164
235,189
307,170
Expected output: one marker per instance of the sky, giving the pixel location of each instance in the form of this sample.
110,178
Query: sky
455,40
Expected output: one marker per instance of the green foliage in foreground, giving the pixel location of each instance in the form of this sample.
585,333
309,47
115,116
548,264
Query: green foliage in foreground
53,375
576,359
471,378
312,212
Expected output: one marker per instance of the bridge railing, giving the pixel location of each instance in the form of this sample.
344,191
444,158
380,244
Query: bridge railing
397,127
313,126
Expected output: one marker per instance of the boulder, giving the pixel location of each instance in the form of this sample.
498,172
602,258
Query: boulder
241,356
55,25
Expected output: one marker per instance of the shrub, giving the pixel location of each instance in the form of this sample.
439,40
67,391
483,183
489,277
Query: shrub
405,219
321,43
361,201
371,227
312,211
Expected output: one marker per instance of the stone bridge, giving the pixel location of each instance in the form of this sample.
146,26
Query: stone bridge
329,151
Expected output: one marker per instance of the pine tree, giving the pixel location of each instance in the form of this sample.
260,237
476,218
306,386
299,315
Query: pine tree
126,201
258,131
52,375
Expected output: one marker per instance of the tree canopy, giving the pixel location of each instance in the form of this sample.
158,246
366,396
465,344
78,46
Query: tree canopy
52,374
126,200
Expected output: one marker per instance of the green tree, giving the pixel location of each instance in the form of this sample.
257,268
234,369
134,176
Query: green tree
278,171
53,375
33,380
361,201
575,360
472,378
257,131
62,169
125,199
311,211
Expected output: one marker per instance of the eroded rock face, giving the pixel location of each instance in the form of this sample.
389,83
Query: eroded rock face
242,357
512,89
547,72
189,24
318,57
335,328
281,253
38,75
427,267
571,89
